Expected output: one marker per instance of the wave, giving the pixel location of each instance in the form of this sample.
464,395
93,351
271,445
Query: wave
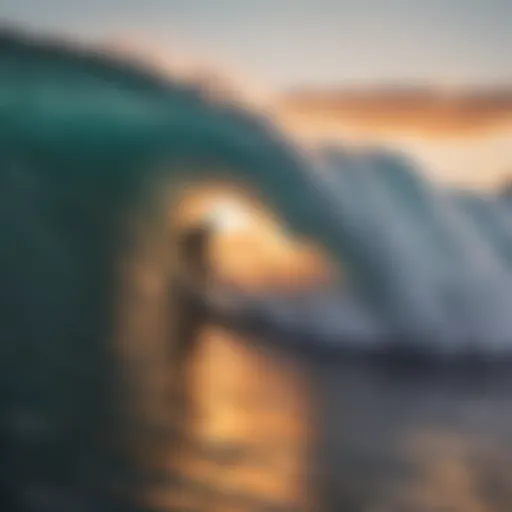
427,264
434,263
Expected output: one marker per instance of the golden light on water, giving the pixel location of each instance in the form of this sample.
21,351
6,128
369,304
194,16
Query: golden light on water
228,216
245,398
249,248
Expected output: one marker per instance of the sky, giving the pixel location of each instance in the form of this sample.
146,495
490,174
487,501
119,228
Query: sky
289,43
270,48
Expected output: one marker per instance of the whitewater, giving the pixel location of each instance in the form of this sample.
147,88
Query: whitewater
434,263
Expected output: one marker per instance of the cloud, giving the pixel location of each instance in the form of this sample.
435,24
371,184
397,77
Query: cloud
375,112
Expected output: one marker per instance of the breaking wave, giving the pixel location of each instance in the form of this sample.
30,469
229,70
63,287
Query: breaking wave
433,264
436,262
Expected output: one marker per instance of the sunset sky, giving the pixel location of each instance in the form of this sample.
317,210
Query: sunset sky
450,48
